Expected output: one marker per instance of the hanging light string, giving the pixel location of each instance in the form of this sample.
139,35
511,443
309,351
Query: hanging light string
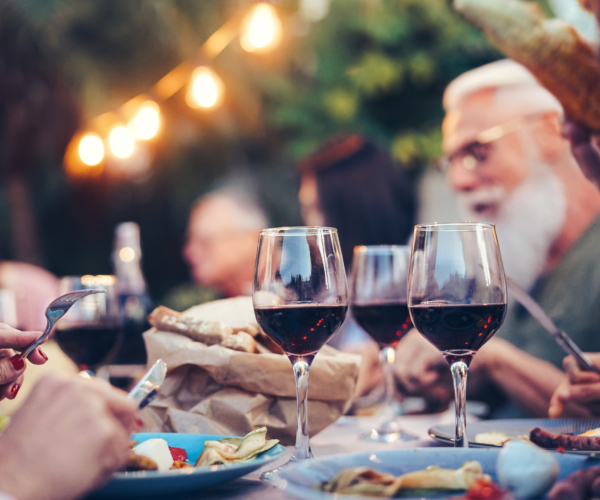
139,119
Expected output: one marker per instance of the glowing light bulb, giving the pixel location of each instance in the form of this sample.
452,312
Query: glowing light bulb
261,29
121,142
206,90
127,254
147,121
91,150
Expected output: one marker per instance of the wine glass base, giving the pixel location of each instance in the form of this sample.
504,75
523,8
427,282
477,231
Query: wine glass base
387,436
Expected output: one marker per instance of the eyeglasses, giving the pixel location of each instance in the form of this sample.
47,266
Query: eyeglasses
476,152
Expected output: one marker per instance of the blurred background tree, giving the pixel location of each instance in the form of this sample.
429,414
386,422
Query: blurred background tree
378,67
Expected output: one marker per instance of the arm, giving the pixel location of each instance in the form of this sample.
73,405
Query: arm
81,440
526,380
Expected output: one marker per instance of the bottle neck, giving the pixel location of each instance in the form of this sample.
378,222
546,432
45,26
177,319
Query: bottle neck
130,280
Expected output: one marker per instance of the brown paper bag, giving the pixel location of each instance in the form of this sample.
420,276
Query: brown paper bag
216,390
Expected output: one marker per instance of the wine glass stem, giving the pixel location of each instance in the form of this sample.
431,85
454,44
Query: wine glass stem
459,376
302,449
387,356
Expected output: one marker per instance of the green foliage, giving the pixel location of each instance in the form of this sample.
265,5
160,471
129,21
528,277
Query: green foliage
378,67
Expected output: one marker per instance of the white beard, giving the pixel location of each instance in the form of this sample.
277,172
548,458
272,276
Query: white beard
527,221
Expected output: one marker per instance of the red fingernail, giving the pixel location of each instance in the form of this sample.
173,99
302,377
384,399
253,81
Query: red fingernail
139,423
42,353
18,362
14,389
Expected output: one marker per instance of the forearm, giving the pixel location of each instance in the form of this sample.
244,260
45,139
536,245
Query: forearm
527,381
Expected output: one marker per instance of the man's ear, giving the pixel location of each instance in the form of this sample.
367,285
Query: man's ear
546,133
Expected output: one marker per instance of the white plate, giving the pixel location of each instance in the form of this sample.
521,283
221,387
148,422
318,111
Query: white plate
144,483
300,480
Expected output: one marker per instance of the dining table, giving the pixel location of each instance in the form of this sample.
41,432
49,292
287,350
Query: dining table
341,437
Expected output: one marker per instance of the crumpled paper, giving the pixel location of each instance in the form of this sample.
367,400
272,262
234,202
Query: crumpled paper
216,390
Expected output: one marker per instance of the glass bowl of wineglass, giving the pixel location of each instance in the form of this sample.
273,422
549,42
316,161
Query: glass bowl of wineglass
457,296
300,300
90,333
379,306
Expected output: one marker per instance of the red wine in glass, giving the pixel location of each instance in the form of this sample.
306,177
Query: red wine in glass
301,329
300,299
385,322
89,346
457,297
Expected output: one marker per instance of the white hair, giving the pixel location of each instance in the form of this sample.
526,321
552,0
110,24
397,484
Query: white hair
249,214
510,80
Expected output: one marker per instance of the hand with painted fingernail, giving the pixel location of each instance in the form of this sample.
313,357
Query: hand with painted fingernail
12,365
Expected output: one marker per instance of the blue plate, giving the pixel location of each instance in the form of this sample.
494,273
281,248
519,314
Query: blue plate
182,480
301,479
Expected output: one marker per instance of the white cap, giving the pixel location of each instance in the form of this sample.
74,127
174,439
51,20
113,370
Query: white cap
503,75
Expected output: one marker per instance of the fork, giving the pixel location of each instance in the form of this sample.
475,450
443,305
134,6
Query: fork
54,312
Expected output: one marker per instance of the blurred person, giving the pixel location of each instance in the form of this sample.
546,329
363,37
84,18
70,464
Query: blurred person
34,289
352,184
510,166
222,237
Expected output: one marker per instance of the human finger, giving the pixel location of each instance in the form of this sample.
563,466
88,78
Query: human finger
117,401
576,374
38,356
10,390
11,366
580,393
11,338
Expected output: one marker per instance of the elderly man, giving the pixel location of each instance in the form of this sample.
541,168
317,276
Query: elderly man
222,237
509,165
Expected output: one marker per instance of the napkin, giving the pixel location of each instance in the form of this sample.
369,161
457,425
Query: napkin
217,390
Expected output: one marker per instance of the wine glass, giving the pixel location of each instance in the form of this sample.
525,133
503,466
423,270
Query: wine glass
457,297
300,300
90,333
379,306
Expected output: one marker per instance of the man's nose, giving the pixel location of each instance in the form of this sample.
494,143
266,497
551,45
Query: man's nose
463,179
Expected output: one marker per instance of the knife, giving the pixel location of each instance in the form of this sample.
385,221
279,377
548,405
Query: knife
562,339
149,385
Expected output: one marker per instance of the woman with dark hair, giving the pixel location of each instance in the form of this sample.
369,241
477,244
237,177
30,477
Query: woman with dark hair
352,184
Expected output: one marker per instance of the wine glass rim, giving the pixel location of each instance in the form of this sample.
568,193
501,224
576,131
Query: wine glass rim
296,230
379,248
455,226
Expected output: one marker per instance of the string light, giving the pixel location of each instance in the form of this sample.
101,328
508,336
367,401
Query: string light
121,142
146,123
91,150
261,29
206,90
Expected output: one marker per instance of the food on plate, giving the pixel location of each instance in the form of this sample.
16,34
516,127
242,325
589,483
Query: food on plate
250,340
548,440
591,432
497,438
234,450
137,462
157,450
550,48
483,490
369,482
526,470
581,485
